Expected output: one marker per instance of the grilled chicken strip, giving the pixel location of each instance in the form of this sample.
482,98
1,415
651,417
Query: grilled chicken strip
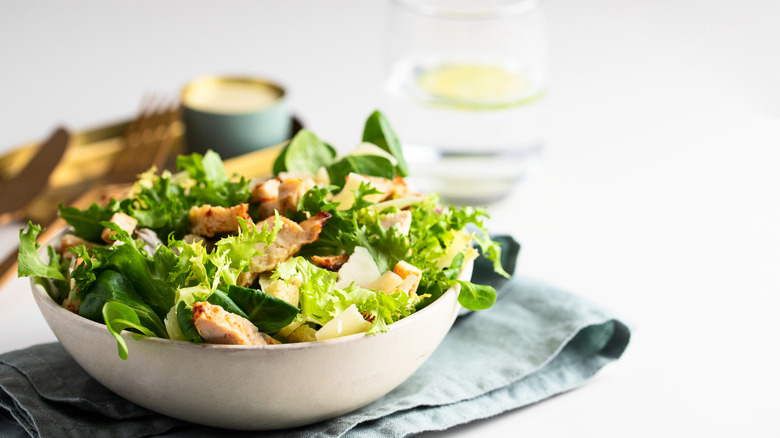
212,221
330,262
402,220
289,240
288,193
266,191
218,326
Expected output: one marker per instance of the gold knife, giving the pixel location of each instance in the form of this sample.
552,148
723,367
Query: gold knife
19,191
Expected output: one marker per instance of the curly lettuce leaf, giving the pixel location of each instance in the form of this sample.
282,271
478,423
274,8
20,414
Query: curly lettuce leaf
209,183
321,300
29,263
247,243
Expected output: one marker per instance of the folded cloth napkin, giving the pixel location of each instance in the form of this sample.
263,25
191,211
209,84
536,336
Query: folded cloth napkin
537,341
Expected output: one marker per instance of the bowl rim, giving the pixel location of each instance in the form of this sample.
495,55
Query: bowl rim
39,290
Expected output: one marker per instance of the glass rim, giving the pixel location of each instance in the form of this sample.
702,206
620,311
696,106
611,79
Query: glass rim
479,9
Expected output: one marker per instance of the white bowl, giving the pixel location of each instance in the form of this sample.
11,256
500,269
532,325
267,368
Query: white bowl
254,387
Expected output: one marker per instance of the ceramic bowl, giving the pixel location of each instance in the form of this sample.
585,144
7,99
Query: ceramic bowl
254,387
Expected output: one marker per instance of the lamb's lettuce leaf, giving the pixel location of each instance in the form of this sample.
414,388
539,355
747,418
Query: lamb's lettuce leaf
117,317
266,312
305,153
111,286
186,324
86,223
379,132
371,165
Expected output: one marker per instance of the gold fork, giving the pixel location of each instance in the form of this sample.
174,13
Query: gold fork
147,143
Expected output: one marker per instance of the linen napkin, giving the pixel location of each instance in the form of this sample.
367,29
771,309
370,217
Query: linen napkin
536,342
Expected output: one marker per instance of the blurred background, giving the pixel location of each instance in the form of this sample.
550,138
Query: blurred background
658,189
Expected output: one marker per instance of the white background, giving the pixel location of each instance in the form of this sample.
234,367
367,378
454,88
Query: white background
659,195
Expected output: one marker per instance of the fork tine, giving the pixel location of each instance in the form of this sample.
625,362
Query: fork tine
148,140
170,116
157,133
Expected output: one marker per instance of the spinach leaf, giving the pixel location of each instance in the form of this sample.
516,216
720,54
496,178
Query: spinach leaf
221,299
111,286
148,275
280,164
305,153
86,223
268,313
430,291
476,296
379,132
372,165
118,317
186,324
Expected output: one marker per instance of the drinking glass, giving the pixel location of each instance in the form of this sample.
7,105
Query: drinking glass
464,90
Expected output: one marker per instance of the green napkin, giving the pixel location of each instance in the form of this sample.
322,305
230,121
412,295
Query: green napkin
537,341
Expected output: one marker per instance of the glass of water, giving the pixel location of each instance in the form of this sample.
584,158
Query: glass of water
464,91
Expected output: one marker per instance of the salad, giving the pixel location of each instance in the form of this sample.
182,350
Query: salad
329,246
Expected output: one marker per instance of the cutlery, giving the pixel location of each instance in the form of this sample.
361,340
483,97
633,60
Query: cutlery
147,143
19,191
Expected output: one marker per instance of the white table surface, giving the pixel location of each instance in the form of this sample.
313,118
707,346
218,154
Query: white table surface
658,197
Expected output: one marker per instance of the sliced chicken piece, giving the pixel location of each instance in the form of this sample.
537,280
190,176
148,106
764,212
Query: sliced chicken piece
218,326
384,185
71,305
289,240
124,221
246,279
402,219
331,262
410,276
212,221
321,178
266,191
290,191
285,290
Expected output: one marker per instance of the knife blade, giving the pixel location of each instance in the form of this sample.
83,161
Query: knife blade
20,190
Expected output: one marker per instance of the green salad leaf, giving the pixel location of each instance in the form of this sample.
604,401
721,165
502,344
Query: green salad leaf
372,165
267,313
186,324
111,286
29,263
305,153
147,274
117,317
86,223
209,182
379,132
